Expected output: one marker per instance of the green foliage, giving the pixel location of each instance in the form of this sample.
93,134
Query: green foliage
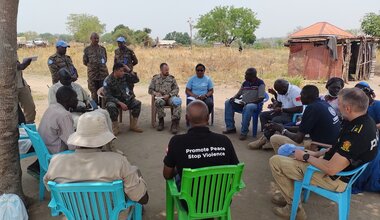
64,37
133,37
181,38
227,24
29,35
371,24
48,37
82,25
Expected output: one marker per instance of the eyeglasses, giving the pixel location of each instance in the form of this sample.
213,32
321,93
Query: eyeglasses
200,70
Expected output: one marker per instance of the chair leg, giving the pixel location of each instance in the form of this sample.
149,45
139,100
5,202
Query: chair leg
169,205
137,212
120,115
342,206
153,119
41,184
306,195
296,199
212,117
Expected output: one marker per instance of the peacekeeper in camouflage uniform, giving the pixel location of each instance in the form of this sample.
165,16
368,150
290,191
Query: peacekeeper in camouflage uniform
60,60
95,58
127,57
165,89
118,95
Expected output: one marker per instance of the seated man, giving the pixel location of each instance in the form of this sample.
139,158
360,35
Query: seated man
355,146
165,89
200,87
57,123
65,79
287,101
117,95
89,164
199,139
251,93
319,120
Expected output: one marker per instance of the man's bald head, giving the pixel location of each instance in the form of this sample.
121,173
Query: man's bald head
281,86
197,113
94,38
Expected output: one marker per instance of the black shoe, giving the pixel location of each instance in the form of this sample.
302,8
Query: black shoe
243,137
231,131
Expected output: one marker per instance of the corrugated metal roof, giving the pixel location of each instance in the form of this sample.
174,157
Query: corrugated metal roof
321,29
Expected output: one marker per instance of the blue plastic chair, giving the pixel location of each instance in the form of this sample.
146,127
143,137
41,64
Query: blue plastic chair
95,200
295,117
212,111
43,156
24,137
341,198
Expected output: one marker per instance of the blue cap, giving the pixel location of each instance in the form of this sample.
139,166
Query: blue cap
61,43
121,39
365,84
288,149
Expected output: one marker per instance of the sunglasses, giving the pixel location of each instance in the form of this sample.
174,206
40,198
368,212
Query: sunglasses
200,70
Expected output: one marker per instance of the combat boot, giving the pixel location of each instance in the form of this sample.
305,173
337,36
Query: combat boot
160,124
115,128
134,127
174,127
255,145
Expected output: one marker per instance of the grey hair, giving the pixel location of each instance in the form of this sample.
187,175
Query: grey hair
355,98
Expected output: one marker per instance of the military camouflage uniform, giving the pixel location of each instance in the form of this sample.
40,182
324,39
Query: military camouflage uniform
126,56
56,62
95,58
166,86
117,90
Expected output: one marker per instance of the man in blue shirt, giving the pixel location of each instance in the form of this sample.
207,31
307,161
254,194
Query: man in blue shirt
251,93
200,87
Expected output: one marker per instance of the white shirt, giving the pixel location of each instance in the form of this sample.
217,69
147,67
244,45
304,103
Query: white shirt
82,95
292,98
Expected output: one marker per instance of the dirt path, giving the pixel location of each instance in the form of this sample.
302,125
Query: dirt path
146,150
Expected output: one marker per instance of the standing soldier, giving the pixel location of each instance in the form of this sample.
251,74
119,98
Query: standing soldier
95,58
60,60
118,96
24,94
126,56
165,89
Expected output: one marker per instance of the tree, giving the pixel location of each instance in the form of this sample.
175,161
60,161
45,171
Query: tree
10,169
29,35
82,25
48,37
227,24
182,38
371,24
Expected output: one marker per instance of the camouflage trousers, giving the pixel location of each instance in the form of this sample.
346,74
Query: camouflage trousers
25,99
93,86
160,103
113,108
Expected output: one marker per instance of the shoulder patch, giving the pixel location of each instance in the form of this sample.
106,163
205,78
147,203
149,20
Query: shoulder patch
357,128
346,146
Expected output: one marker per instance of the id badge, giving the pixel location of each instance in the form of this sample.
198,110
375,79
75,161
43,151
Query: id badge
102,61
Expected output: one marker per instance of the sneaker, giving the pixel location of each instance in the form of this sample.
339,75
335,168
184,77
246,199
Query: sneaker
257,144
230,131
267,146
243,137
284,212
279,200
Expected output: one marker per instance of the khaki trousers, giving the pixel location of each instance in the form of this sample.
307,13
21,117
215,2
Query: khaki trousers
278,140
27,104
286,170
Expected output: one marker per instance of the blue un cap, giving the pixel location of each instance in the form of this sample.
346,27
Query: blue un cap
61,43
288,149
364,84
121,39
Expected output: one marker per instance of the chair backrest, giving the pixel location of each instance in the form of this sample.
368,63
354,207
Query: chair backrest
354,174
39,146
32,127
90,200
208,191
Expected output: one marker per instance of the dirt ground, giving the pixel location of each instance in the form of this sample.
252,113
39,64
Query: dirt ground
147,150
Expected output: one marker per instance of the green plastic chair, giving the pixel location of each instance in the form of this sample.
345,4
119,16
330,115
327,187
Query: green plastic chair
207,192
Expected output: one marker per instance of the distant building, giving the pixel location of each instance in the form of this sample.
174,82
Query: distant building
167,44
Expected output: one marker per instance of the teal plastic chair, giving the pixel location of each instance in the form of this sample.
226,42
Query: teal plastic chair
91,200
296,116
207,192
341,198
43,156
24,137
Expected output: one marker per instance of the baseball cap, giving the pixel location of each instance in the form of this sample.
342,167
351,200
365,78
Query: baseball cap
121,39
364,84
61,43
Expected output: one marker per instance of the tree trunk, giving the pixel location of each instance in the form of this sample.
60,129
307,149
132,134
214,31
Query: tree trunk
10,169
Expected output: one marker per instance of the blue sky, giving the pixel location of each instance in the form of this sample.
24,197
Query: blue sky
278,17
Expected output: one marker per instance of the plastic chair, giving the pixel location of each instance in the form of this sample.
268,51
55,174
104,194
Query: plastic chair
96,200
154,111
207,192
24,137
341,198
295,117
212,111
43,156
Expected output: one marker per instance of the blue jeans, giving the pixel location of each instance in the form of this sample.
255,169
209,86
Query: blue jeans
246,112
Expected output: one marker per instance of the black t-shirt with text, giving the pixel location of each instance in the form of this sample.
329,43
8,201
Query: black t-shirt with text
321,122
357,142
199,148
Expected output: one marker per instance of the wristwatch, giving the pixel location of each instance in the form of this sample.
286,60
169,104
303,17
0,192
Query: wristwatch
283,131
306,157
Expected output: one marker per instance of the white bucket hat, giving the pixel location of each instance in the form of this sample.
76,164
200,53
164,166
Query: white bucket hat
92,131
